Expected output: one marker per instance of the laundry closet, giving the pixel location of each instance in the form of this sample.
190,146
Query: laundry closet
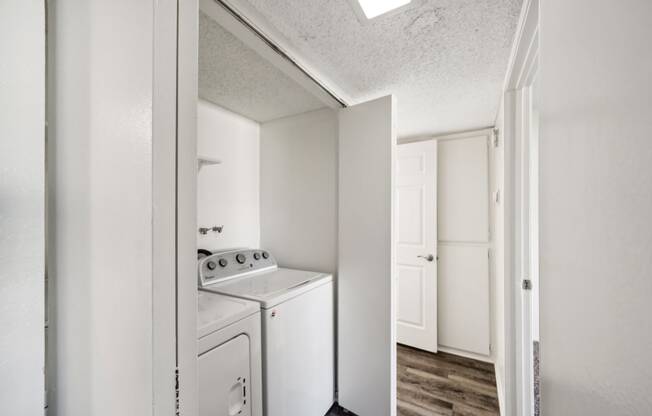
287,171
267,156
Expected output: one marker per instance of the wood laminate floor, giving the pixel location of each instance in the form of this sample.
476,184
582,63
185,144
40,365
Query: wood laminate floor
442,384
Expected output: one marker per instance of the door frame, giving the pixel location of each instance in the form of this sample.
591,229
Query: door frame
254,34
186,206
174,165
164,137
491,243
521,73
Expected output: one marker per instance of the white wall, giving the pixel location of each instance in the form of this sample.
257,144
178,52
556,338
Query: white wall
102,175
228,194
22,211
298,168
596,200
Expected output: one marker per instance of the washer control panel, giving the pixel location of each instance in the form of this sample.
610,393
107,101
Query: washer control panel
233,263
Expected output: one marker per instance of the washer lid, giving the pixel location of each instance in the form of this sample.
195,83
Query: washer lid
215,311
272,287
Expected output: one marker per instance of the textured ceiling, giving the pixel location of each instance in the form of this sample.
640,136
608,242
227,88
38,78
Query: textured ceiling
444,60
237,78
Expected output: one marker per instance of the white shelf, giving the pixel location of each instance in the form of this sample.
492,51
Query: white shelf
206,161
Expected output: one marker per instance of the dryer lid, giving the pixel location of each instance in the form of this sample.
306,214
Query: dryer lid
215,311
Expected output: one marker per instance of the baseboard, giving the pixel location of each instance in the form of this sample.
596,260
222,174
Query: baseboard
466,354
500,388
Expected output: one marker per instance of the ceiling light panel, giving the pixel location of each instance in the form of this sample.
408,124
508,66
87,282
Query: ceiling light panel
374,8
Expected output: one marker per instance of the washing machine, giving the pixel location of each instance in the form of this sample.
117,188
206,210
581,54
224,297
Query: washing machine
229,361
297,316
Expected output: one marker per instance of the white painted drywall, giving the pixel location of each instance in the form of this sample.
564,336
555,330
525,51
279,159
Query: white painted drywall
596,200
22,210
366,310
186,175
102,252
298,190
228,193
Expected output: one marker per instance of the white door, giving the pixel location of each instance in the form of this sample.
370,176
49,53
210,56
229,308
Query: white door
416,244
366,334
463,218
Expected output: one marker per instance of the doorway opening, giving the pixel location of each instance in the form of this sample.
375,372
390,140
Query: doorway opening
447,313
269,160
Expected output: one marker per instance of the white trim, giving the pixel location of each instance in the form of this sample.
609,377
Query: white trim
500,388
526,33
466,354
508,198
522,66
449,136
187,206
164,103
530,63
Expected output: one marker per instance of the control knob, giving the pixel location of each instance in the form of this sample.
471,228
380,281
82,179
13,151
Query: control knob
211,265
240,258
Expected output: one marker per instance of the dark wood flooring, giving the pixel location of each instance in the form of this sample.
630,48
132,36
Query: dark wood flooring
442,384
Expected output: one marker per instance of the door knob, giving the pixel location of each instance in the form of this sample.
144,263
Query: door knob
429,257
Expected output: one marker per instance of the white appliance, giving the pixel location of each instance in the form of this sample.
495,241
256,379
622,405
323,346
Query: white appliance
297,323
229,362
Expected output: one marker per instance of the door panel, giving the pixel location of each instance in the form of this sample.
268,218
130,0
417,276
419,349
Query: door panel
366,335
464,212
464,298
416,229
411,299
410,222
